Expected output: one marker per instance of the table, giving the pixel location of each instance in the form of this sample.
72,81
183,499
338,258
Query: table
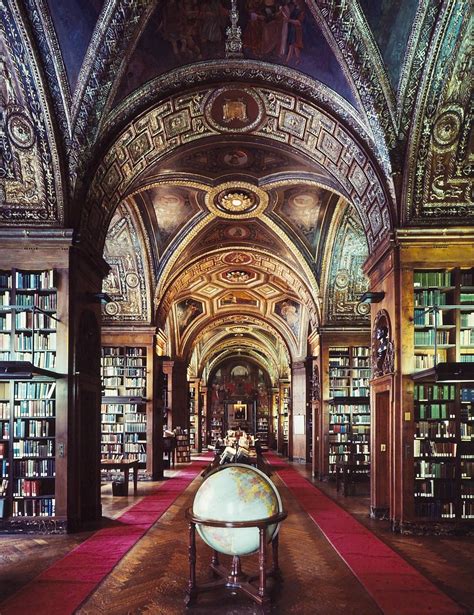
125,465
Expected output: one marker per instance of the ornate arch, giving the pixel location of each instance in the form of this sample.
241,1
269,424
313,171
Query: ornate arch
31,188
438,174
280,117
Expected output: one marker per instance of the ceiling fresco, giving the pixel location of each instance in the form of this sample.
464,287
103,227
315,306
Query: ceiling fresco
169,208
391,22
183,31
127,282
302,207
74,22
344,280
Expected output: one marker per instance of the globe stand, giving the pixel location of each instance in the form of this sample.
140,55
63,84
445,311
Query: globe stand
235,579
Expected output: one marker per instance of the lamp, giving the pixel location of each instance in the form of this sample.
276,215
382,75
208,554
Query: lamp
372,297
99,298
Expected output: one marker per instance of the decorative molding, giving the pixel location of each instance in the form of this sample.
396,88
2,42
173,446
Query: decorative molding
353,37
343,279
117,30
287,119
438,172
31,190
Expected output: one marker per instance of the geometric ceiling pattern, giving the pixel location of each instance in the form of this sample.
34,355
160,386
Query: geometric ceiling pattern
235,200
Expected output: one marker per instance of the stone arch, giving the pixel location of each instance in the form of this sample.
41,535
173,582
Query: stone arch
279,117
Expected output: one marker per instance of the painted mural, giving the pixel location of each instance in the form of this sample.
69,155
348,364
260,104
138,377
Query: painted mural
173,207
346,279
278,31
187,311
290,312
391,22
220,160
300,208
238,297
126,280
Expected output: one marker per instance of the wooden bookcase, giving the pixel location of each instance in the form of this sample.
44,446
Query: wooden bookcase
349,408
127,409
183,452
195,418
32,433
443,452
123,408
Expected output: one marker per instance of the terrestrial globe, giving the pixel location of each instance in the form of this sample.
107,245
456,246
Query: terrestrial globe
236,492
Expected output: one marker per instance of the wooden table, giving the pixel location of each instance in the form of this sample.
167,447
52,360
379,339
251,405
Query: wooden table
125,465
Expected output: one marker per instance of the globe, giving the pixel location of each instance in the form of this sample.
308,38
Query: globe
236,492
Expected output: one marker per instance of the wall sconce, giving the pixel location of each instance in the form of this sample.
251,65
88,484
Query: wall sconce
371,297
102,298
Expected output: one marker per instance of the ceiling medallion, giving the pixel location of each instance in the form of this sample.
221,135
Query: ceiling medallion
237,276
236,200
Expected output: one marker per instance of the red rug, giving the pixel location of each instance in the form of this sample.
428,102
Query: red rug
62,587
396,587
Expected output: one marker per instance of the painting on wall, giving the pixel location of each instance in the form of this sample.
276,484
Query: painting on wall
180,32
173,207
300,208
126,281
290,312
187,311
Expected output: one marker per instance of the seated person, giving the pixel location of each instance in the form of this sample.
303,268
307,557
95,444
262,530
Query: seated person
230,451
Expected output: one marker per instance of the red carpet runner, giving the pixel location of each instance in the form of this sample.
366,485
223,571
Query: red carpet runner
62,587
396,587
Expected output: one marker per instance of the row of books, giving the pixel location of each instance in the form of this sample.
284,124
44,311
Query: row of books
428,298
33,448
431,278
43,507
117,351
427,448
35,408
31,468
434,411
427,338
48,302
435,469
23,428
426,392
34,390
435,429
34,280
430,488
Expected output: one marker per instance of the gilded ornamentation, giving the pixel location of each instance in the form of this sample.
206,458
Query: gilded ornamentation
126,281
345,281
30,179
439,169
325,140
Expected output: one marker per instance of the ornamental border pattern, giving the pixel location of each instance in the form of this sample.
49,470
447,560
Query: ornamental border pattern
324,139
17,41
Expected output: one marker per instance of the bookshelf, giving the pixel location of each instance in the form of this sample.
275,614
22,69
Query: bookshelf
195,419
183,452
124,403
28,411
443,452
349,409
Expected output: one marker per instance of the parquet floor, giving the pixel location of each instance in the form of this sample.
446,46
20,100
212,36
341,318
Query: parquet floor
152,577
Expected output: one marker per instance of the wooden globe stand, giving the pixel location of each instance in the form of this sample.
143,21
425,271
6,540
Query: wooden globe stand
234,579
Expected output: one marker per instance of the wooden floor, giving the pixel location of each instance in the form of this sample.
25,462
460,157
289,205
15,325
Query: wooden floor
152,577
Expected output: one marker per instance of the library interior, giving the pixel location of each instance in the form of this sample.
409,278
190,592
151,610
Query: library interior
236,307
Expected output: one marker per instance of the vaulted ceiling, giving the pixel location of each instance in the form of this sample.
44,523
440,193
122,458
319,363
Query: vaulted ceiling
235,198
